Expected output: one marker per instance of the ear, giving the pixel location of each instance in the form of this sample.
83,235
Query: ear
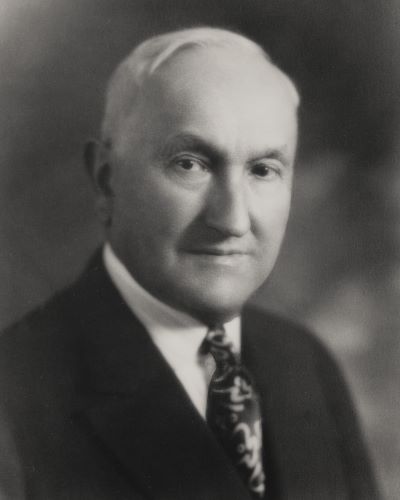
96,157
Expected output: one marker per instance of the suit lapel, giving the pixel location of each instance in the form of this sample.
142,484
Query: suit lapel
137,408
299,435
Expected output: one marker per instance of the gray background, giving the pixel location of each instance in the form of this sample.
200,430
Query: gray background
339,271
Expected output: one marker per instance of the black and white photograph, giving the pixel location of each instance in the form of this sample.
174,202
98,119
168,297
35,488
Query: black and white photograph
199,250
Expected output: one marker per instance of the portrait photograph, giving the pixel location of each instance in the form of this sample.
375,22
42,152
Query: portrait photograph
199,250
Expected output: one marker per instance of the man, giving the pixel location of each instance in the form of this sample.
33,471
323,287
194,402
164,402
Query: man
148,379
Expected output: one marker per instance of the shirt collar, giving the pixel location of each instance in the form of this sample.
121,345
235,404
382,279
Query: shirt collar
175,333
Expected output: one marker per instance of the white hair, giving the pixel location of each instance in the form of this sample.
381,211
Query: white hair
132,73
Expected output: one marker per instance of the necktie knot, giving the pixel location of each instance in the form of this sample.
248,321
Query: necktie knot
220,347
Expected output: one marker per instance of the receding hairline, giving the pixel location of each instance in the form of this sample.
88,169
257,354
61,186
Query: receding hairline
146,58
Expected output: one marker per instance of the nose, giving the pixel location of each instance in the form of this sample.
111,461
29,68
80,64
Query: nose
227,209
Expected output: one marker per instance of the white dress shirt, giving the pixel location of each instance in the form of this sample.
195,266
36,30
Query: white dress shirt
177,335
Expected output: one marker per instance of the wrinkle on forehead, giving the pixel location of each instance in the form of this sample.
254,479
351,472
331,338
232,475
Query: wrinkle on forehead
220,72
217,91
222,67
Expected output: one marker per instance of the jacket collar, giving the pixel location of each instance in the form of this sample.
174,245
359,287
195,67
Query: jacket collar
297,420
136,406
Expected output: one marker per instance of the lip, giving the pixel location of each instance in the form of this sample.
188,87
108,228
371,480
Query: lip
233,258
218,252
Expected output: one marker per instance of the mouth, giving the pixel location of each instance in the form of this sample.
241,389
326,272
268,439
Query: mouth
220,256
218,252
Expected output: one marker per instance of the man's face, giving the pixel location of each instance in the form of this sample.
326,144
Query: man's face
201,178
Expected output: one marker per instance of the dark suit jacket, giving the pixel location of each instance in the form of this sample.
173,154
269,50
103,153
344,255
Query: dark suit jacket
91,411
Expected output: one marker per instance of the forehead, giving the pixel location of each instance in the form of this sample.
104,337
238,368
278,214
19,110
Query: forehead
219,93
214,71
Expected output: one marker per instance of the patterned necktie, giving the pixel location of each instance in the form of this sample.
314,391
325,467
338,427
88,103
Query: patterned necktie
233,411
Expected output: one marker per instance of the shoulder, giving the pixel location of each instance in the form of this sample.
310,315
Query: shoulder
300,379
52,323
295,356
40,353
36,350
296,351
45,349
275,331
293,348
39,325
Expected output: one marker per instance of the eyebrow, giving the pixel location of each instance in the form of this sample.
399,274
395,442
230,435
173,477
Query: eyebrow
192,142
195,143
279,154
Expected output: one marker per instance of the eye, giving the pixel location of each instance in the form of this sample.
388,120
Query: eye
266,171
190,165
189,168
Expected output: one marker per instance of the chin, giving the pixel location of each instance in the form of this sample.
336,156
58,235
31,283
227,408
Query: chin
211,314
214,306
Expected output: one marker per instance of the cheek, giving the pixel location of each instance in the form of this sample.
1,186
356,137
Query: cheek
157,213
272,216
